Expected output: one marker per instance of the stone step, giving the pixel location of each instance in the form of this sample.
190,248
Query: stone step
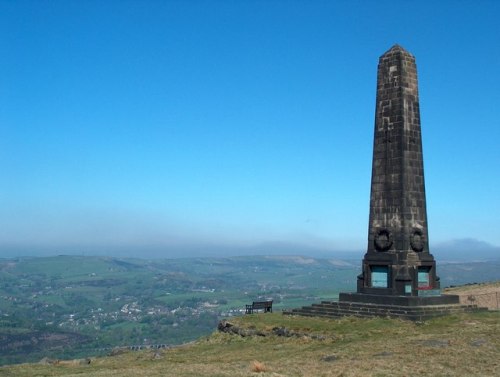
334,309
389,307
395,309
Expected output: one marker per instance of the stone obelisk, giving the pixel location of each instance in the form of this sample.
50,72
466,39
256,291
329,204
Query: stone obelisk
397,261
398,277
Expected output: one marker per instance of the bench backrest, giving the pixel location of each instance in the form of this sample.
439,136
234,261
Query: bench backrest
262,304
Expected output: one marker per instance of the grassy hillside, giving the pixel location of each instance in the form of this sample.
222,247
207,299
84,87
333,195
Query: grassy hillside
277,345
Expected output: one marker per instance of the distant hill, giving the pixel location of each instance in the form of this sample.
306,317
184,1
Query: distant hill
467,249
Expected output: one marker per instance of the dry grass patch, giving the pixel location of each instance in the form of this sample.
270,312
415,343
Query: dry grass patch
258,367
486,295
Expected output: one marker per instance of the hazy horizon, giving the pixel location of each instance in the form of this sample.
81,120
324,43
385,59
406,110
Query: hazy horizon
460,250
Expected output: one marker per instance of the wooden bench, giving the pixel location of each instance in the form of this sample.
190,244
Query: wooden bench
266,306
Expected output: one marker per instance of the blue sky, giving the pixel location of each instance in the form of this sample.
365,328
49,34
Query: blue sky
192,125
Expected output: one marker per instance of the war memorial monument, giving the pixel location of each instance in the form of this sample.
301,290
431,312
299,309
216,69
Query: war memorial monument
398,276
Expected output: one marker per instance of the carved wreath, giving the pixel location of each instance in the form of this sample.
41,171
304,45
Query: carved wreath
417,240
383,240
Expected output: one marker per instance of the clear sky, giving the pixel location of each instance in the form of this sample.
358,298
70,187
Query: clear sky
180,126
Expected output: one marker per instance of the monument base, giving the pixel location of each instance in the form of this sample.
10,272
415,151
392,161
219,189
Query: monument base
399,300
404,307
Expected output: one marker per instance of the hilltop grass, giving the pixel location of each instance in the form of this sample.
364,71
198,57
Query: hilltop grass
458,345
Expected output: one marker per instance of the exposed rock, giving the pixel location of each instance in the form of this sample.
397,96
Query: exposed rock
156,356
478,342
74,362
329,358
118,351
229,328
282,331
48,361
318,337
225,326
